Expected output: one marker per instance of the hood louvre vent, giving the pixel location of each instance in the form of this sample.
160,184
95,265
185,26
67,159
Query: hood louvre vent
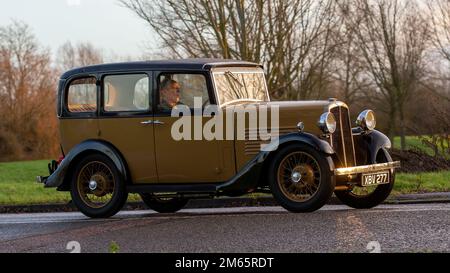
253,147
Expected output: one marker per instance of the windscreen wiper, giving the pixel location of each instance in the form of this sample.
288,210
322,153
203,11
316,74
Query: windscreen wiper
231,75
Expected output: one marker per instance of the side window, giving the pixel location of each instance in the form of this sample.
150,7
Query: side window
82,96
181,89
126,93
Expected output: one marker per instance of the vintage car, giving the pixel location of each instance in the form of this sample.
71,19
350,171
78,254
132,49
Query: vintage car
117,137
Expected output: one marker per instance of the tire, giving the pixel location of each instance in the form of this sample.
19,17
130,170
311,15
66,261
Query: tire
306,183
170,205
109,195
371,199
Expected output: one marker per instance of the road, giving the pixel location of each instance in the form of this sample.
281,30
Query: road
387,228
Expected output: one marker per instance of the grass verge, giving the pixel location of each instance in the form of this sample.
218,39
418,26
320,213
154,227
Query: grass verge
17,186
413,142
406,183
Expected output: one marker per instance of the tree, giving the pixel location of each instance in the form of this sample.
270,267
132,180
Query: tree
439,13
82,54
27,96
348,67
291,38
392,37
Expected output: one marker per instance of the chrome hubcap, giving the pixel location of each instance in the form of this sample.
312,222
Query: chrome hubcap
96,184
92,185
296,177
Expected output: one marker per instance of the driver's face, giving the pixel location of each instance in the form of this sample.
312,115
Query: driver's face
171,95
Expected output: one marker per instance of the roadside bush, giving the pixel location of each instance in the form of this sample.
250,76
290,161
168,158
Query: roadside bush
416,161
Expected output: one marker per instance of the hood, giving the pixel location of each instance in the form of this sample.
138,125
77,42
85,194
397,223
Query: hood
293,112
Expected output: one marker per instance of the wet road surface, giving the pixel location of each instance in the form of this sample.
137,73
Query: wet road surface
387,228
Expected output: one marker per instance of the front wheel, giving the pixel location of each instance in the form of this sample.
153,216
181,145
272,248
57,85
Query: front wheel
300,178
163,205
97,189
368,197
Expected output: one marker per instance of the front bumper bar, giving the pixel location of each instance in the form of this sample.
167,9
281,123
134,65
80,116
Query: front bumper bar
367,168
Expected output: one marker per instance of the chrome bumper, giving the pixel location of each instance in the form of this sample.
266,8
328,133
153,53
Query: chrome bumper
367,168
41,179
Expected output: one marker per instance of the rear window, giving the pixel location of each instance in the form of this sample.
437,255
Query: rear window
126,93
82,96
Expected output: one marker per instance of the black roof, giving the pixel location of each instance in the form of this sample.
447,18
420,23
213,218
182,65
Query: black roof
185,64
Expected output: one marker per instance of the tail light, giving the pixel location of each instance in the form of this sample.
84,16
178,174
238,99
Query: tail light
60,159
54,164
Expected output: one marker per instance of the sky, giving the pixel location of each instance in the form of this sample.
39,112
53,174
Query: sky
104,23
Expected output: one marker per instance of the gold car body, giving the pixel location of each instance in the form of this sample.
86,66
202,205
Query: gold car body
152,156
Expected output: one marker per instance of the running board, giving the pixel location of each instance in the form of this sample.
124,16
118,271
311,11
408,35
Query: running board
178,188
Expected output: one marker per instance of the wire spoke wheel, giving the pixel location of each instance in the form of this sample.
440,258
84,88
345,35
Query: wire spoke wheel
161,197
96,184
368,197
299,176
363,191
164,202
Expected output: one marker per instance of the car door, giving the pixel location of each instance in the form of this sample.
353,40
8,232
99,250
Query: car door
80,112
126,121
188,161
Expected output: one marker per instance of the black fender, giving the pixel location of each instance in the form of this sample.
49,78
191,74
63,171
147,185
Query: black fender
248,178
374,142
305,138
59,177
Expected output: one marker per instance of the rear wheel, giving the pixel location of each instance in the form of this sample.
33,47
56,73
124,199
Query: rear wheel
97,189
300,178
162,204
368,197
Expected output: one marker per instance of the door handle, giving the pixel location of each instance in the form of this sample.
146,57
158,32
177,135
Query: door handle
150,122
147,122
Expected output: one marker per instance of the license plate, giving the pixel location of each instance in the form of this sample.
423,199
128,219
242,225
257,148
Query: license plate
370,179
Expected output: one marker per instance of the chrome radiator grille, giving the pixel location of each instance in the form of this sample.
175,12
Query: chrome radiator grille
342,139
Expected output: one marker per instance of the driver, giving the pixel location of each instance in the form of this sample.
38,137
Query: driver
169,94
